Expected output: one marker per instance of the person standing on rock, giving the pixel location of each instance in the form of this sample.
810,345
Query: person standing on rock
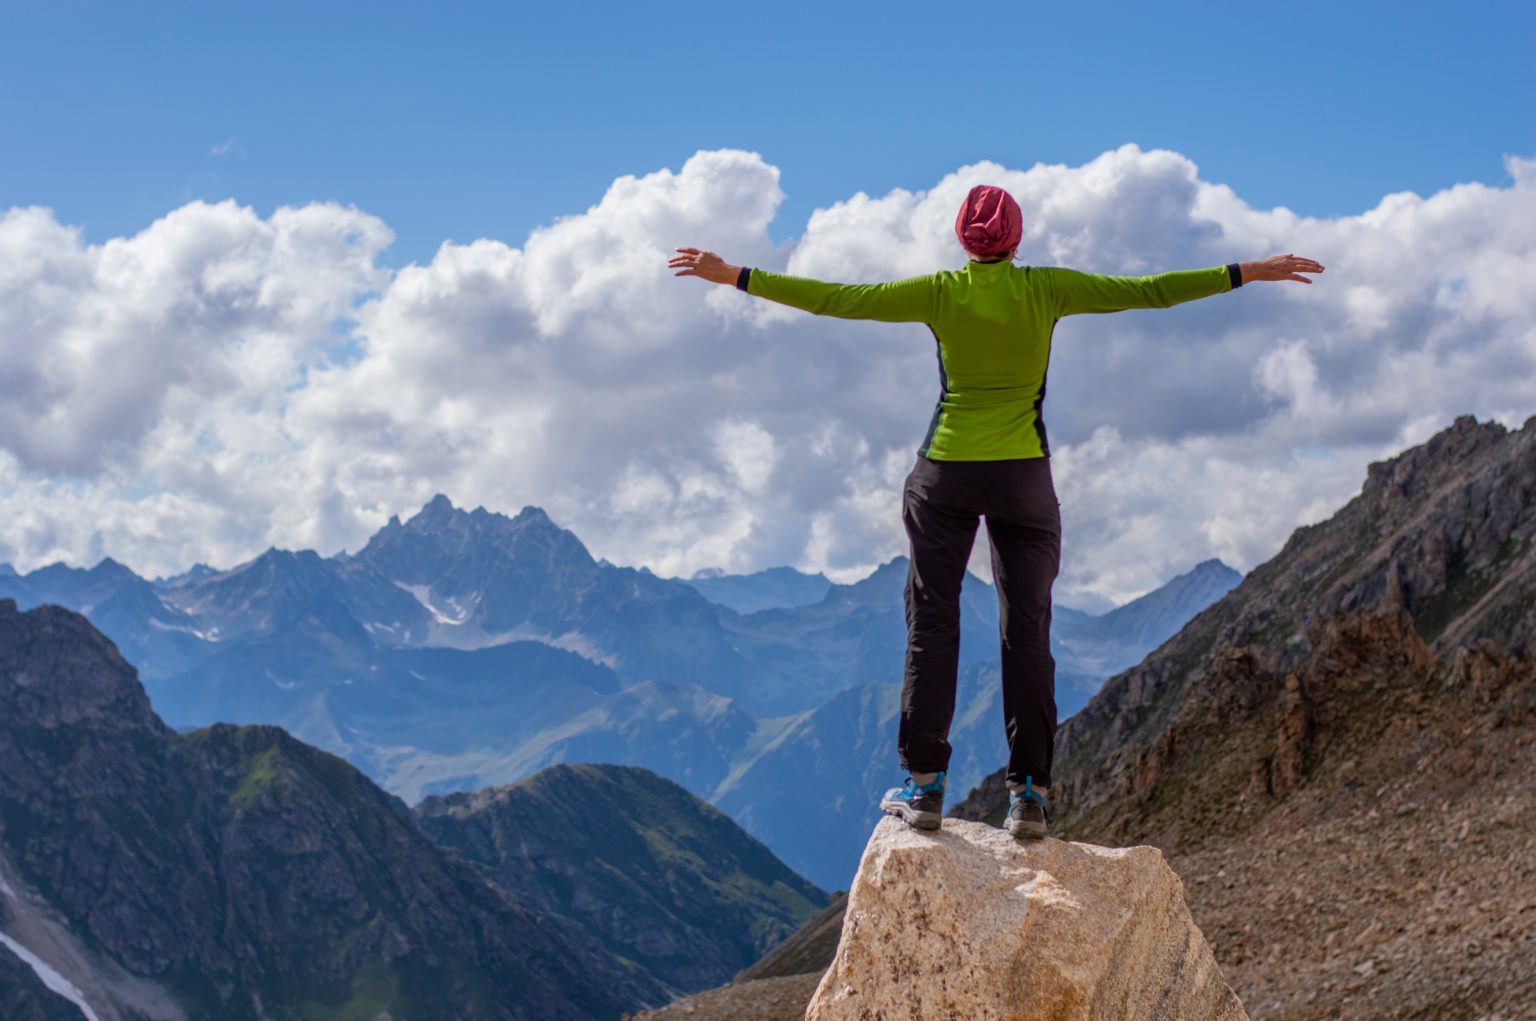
984,455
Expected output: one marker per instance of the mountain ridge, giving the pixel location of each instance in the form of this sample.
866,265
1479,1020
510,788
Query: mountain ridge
238,872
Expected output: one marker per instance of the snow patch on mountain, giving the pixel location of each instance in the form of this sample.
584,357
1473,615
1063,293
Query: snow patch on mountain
207,636
571,641
423,595
50,978
453,626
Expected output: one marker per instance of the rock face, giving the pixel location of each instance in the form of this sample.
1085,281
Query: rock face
969,923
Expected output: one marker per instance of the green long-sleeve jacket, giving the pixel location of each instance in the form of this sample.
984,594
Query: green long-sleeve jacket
993,323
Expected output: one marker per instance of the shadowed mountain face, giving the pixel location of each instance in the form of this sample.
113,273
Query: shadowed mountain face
649,870
1361,713
247,874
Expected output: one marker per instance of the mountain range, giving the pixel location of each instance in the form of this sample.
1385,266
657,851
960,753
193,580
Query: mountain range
236,872
464,649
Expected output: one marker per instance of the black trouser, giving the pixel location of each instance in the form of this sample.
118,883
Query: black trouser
940,505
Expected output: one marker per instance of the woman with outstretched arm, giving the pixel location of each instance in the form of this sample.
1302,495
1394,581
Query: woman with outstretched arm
985,454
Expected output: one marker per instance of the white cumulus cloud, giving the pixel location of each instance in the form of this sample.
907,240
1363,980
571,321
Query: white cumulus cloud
221,381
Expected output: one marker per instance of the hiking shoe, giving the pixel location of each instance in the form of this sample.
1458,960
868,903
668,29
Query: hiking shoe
921,806
1026,811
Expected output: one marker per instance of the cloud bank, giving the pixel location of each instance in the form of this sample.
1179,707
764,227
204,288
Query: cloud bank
222,382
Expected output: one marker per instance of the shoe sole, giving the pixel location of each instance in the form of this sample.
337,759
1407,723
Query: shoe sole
915,819
1026,831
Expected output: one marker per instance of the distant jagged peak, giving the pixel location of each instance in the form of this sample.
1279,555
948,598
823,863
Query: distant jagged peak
278,562
440,530
440,516
106,567
1213,566
274,575
875,585
439,513
274,555
197,572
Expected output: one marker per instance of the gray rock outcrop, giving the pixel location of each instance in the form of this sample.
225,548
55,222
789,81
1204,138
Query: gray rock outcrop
969,923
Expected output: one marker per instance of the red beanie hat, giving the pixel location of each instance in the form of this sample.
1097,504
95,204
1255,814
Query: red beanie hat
990,224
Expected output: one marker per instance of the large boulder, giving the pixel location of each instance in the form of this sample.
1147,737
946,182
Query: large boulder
968,923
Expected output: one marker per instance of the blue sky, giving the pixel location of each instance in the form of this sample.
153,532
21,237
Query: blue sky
462,120
242,301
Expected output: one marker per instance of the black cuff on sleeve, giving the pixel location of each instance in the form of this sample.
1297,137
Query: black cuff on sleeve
743,278
1235,274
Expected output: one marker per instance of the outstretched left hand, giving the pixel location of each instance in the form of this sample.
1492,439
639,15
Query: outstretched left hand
1280,267
691,262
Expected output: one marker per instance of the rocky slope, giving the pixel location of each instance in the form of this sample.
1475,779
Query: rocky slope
647,869
1337,754
245,874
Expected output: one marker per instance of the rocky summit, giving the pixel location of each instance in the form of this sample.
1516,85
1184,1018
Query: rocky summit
970,923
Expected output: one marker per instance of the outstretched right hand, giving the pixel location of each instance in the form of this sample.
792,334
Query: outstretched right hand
1279,267
692,262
